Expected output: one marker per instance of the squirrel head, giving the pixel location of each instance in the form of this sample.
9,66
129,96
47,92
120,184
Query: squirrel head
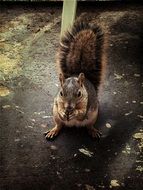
72,92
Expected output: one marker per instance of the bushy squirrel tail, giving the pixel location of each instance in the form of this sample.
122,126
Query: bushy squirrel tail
82,50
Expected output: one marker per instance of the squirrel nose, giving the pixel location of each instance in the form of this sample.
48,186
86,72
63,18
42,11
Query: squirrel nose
69,108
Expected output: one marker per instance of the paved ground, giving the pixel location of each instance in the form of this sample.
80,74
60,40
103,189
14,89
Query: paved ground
28,82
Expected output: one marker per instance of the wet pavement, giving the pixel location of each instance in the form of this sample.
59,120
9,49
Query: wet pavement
28,82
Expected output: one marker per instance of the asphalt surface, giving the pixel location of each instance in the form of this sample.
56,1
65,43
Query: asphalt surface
28,83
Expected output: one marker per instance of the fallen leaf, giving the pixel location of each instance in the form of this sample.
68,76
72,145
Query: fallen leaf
140,116
86,152
114,183
29,126
4,91
129,113
117,76
139,168
17,140
46,116
89,187
137,75
6,106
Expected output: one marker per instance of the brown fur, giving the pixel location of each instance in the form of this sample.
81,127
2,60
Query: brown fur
82,49
81,60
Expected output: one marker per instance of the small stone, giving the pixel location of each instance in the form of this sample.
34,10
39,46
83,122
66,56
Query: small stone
58,173
79,185
108,125
53,157
17,140
127,149
87,170
17,106
53,147
141,103
101,186
29,126
43,125
114,93
36,113
46,116
75,155
57,85
134,101
137,75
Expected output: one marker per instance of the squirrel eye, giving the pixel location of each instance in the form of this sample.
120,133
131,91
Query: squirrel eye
79,94
61,93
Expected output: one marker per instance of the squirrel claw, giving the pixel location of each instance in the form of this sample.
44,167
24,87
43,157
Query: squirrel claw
94,133
45,133
49,135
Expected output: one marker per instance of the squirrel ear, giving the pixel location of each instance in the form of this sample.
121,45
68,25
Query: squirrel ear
61,78
81,78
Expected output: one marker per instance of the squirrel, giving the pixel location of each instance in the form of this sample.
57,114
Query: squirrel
81,60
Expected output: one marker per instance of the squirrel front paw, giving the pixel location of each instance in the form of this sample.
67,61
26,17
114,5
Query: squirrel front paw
52,133
71,116
94,133
67,116
77,115
62,116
